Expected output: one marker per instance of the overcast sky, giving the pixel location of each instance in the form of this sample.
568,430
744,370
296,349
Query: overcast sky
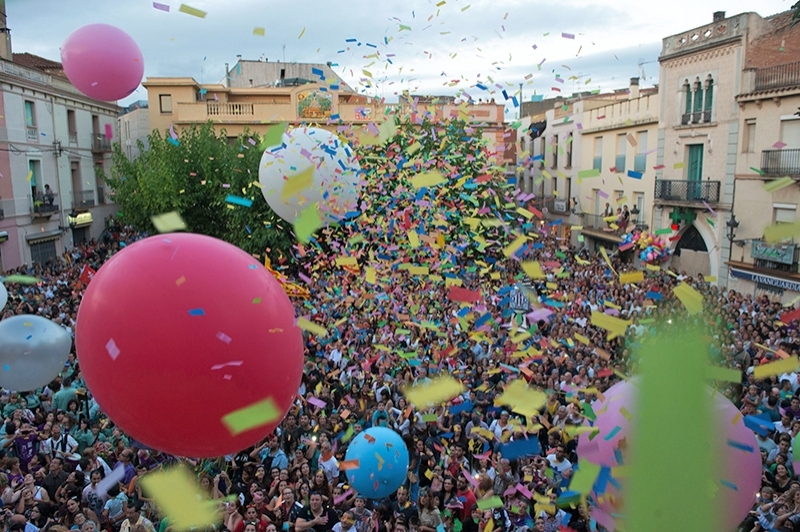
429,47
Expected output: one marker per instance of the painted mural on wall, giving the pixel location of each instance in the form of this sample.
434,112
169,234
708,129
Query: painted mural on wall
314,104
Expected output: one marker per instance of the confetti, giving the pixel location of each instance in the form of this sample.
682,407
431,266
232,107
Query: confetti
251,417
297,183
307,223
273,137
112,349
436,391
311,327
177,493
161,7
169,222
261,32
778,184
787,365
236,200
192,11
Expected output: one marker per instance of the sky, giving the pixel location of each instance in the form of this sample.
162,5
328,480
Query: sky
432,47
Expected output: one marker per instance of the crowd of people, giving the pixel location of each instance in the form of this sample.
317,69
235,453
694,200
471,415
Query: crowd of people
57,445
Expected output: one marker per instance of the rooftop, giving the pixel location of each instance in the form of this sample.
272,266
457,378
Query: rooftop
39,63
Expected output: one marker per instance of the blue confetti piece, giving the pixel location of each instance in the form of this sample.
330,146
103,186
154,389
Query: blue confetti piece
613,433
618,457
318,72
236,200
742,446
537,157
728,484
654,295
174,142
252,266
29,337
197,312
6,367
635,175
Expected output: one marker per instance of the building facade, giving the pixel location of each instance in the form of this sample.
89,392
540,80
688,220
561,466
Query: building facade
768,149
53,141
134,127
619,142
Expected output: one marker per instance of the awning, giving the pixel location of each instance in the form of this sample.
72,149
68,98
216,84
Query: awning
3,236
44,236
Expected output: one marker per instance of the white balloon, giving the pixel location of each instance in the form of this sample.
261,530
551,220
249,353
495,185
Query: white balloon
334,187
33,351
3,296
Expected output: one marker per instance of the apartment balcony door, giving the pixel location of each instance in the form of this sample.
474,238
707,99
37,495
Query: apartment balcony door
695,173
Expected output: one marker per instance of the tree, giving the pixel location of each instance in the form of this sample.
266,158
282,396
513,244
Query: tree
193,174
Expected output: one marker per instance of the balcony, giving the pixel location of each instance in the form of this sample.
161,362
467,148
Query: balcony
780,162
779,76
780,257
684,191
101,196
32,133
44,206
100,143
697,117
229,109
82,199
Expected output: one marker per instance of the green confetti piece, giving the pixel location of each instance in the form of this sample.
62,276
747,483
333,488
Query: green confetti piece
274,136
585,174
307,223
665,231
757,170
673,428
774,186
723,374
584,477
21,279
250,417
491,502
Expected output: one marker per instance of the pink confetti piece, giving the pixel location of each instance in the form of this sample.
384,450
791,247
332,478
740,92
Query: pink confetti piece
227,377
109,132
779,145
113,350
709,209
234,363
568,35
319,403
222,337
161,7
602,194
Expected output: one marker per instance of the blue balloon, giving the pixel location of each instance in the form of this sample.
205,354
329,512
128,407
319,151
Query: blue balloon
382,462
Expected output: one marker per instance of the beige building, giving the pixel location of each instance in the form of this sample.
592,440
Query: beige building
53,142
768,148
700,137
619,139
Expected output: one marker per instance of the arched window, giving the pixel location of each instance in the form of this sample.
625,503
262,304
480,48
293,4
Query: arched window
698,98
687,109
709,99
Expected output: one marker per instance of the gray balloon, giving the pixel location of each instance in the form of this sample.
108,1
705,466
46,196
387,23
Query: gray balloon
3,296
33,351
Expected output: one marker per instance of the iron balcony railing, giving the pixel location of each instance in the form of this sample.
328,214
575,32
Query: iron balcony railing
778,76
780,162
44,205
696,117
100,143
687,191
82,199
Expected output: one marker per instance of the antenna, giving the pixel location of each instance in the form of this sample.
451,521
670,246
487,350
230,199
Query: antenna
640,70
284,52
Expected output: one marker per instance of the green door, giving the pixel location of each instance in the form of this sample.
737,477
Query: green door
695,174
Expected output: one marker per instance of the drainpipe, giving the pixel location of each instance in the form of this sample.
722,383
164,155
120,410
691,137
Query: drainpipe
57,154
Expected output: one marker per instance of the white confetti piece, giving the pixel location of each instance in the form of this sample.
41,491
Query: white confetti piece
113,350
221,336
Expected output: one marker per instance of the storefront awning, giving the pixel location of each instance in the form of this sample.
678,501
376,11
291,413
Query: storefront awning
44,236
81,220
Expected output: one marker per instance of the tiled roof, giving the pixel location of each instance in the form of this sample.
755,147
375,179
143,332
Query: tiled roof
40,63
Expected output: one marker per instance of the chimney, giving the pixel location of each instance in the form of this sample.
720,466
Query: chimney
634,89
719,16
5,34
226,82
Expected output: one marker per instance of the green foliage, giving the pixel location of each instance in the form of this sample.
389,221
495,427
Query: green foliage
194,177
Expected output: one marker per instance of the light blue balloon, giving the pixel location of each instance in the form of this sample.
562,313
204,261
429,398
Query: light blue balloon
382,462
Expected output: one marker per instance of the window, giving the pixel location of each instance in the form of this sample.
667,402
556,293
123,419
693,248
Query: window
35,174
555,151
619,162
698,100
784,213
165,103
639,202
640,161
749,141
30,114
72,128
709,100
597,162
568,162
687,109
694,188
42,252
541,151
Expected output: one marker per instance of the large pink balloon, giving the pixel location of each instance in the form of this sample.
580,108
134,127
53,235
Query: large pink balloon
103,62
740,468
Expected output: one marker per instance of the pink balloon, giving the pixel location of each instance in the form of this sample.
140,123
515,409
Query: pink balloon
103,62
740,468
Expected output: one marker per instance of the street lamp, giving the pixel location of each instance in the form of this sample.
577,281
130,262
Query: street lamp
733,225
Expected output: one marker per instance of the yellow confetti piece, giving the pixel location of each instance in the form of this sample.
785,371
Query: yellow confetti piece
414,148
168,222
297,183
427,179
261,32
30,175
691,298
199,13
605,258
435,392
779,232
521,398
710,278
631,277
311,327
250,417
678,166
413,239
533,270
582,339
346,261
178,495
371,276
307,223
787,365
418,270
778,184
514,246
302,33
610,323
718,373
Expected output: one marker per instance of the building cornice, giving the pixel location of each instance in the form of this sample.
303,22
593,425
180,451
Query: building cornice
702,52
